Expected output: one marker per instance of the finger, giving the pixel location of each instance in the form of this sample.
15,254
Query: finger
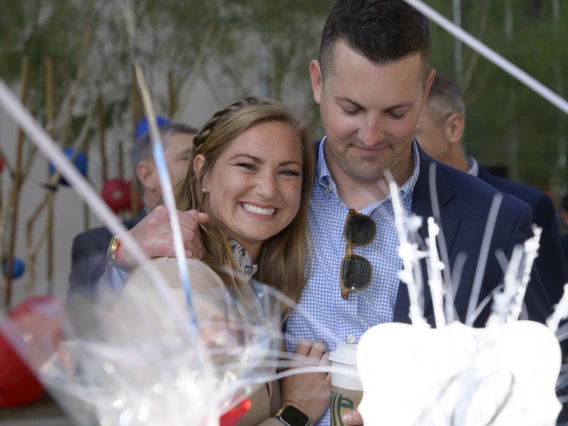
202,218
353,418
317,351
303,348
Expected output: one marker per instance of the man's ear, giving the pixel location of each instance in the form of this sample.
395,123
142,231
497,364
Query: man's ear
429,82
147,175
199,168
317,80
454,127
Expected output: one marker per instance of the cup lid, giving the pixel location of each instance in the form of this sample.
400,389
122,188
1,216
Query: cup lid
345,353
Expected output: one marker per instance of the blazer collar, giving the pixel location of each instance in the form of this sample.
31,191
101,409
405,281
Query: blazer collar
422,206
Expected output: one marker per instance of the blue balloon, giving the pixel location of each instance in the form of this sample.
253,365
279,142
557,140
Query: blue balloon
81,162
142,126
18,268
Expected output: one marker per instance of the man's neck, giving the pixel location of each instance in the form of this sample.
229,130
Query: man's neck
358,193
458,161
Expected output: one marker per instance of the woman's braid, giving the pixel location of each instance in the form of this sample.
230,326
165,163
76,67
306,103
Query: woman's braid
219,116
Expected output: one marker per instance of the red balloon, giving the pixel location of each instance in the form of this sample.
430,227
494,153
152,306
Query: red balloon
39,318
116,193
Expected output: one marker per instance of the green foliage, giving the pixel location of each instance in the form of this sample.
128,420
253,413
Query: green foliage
538,44
244,42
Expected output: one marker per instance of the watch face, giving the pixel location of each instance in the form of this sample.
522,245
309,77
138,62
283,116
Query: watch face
294,417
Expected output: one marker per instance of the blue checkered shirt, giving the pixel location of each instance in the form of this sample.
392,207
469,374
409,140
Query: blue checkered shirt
322,314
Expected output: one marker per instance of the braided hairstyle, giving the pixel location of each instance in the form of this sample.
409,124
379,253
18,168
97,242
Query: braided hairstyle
282,259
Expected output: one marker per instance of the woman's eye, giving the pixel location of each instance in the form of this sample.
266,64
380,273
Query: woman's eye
246,166
290,173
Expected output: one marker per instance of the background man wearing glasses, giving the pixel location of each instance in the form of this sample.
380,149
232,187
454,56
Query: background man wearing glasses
371,82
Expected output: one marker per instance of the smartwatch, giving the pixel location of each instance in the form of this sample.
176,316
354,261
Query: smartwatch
292,416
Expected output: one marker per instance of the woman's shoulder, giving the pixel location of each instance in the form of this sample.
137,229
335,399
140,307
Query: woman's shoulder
201,275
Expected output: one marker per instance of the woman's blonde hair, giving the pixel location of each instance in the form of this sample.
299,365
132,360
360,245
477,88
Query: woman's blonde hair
282,259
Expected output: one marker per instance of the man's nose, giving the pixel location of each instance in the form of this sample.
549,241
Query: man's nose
372,131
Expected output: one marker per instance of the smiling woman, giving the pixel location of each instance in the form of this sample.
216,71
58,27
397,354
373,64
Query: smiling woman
251,170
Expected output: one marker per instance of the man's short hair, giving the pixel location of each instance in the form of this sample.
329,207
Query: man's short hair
142,150
444,99
383,31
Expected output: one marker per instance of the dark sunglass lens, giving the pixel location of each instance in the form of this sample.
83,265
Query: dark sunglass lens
360,229
355,272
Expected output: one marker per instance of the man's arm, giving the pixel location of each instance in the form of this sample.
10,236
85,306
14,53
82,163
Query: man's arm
550,261
536,300
87,250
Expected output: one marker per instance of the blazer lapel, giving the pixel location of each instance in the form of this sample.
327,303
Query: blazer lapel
422,206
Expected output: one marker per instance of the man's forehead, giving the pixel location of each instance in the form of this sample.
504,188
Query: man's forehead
179,141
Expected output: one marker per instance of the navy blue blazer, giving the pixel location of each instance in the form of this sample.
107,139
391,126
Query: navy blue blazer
550,261
464,204
88,249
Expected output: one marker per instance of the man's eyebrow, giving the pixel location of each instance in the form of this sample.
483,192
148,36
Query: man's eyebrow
342,99
401,105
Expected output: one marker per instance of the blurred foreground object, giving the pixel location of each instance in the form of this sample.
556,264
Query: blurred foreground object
32,318
503,375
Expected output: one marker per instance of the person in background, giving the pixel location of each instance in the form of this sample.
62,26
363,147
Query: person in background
439,132
251,170
90,247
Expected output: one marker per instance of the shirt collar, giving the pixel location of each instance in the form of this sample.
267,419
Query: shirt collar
243,259
324,177
473,166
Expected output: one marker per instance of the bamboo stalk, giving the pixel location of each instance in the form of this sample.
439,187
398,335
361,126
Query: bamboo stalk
171,94
49,118
102,130
188,85
50,195
24,77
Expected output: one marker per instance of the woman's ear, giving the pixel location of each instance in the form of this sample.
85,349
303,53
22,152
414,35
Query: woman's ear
199,168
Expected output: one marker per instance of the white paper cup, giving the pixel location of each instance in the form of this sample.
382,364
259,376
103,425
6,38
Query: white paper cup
346,389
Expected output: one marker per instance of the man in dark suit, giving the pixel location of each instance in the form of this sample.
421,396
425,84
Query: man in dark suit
439,132
91,246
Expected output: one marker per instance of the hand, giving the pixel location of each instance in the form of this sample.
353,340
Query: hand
309,392
353,418
155,237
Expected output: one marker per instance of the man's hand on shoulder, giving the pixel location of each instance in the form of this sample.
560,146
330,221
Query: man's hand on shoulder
154,235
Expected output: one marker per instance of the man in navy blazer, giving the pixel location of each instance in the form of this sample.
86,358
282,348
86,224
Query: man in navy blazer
439,132
90,247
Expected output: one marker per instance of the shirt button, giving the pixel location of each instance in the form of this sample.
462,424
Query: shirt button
350,339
